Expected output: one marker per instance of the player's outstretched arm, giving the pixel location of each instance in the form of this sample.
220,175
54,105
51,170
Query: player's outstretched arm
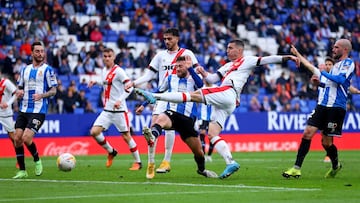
354,90
304,61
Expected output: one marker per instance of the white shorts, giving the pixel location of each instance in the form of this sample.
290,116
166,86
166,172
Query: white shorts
160,107
8,123
223,99
119,119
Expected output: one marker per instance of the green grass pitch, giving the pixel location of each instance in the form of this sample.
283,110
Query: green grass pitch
258,180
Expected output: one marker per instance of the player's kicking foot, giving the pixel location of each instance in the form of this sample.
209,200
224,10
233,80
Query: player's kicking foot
292,172
136,166
150,138
20,174
38,168
147,95
164,167
110,158
229,170
332,172
150,171
207,173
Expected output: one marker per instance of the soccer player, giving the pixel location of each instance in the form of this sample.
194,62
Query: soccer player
329,114
7,98
233,75
329,63
37,82
115,109
181,117
160,67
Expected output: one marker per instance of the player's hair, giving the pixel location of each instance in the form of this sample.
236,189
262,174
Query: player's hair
180,58
172,31
108,50
37,43
238,42
330,59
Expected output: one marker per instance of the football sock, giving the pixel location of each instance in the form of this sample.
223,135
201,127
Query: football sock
169,144
302,151
333,154
151,152
101,140
20,157
200,162
156,130
134,150
32,149
176,97
211,149
202,139
223,149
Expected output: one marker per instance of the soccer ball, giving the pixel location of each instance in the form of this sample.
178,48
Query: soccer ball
66,162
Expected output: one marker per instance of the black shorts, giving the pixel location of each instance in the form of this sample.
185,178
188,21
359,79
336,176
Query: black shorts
204,125
32,121
328,119
182,124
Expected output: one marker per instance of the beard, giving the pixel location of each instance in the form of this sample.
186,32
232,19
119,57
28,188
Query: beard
39,59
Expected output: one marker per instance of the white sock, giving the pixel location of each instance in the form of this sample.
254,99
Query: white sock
151,152
104,143
176,97
134,150
223,149
169,144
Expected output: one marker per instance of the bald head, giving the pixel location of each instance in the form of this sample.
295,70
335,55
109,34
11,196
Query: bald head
341,49
346,44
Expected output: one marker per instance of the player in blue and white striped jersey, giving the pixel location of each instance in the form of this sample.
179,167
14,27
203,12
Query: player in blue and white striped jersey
181,116
329,114
37,82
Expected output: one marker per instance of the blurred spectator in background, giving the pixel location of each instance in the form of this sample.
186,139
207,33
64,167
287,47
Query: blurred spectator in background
96,35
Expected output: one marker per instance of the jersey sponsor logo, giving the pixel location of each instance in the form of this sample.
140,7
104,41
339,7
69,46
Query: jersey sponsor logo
169,67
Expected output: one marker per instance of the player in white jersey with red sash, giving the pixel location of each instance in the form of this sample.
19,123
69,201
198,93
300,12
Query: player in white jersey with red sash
329,114
233,76
181,116
7,98
160,67
36,84
115,110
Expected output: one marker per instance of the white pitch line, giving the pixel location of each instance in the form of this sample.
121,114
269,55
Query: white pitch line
109,195
241,186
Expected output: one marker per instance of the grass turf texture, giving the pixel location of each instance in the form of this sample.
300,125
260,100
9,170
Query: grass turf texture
258,180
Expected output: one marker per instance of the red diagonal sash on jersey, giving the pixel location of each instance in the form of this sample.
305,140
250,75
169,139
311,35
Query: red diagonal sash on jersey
2,88
181,51
109,78
236,65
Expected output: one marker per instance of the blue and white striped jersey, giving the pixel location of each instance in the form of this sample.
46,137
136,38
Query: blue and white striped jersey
35,81
333,93
205,112
176,84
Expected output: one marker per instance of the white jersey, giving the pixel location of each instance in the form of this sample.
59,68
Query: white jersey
114,80
36,81
236,73
7,89
332,93
164,61
175,84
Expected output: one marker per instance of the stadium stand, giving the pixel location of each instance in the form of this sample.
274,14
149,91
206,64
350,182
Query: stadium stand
292,22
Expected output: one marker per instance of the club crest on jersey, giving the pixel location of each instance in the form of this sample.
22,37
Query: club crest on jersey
40,73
